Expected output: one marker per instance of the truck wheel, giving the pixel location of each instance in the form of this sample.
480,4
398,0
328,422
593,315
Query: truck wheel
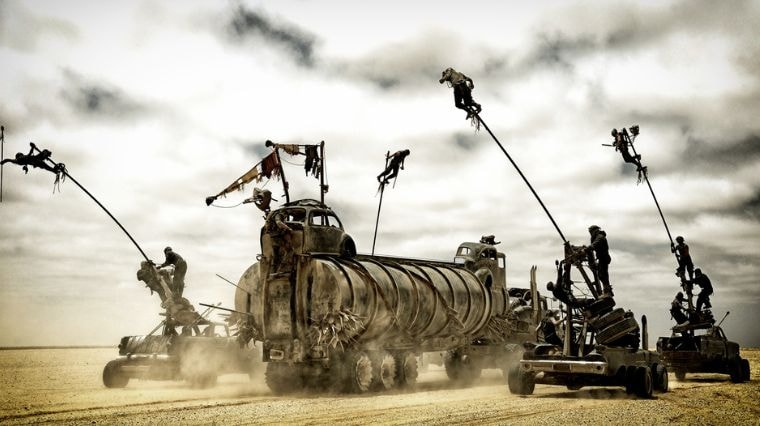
661,378
460,367
745,370
680,374
282,378
643,382
520,382
112,375
605,320
617,330
735,370
406,370
385,371
358,370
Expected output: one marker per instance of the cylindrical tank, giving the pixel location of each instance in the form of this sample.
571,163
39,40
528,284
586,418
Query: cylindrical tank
403,299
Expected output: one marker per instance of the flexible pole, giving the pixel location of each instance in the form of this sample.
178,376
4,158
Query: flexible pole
2,157
65,172
564,240
380,204
377,220
646,178
322,188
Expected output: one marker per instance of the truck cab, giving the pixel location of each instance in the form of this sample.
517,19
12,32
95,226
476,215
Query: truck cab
487,263
301,227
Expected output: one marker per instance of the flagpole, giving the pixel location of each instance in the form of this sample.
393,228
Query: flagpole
380,204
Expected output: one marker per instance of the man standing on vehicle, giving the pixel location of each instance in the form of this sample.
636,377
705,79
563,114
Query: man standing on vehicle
600,247
703,282
180,269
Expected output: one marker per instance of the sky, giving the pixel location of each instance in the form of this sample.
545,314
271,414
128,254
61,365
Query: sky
153,106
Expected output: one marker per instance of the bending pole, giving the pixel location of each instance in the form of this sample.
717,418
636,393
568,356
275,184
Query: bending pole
377,221
646,177
65,172
2,157
564,240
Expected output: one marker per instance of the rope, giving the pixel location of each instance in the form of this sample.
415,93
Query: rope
564,240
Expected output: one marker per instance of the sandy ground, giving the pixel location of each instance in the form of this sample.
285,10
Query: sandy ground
64,386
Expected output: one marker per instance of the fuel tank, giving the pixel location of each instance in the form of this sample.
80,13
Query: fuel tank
399,301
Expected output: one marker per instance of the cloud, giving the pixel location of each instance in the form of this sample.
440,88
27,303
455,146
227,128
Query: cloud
97,99
298,43
22,30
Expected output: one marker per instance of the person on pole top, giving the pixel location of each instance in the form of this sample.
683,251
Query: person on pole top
684,258
396,161
180,269
463,87
621,144
32,159
600,247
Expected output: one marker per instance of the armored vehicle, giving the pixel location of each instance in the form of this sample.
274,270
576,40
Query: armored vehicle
331,318
600,345
192,355
709,352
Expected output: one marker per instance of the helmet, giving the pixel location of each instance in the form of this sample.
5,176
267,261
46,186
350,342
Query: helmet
167,249
679,295
614,132
593,228
697,271
679,239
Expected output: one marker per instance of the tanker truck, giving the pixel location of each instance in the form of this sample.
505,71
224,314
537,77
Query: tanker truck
329,318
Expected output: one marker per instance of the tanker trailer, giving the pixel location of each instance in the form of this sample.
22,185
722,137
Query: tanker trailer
329,318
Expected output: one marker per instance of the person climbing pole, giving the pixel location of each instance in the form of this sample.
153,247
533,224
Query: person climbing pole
677,310
396,161
180,269
684,259
601,249
704,283
463,87
621,144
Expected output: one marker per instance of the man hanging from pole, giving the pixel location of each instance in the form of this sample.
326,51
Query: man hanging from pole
396,162
463,87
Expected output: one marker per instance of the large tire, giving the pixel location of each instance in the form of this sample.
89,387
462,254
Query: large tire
661,378
460,368
599,307
406,370
745,370
735,370
282,378
385,372
643,382
680,374
617,330
603,321
112,375
520,382
358,372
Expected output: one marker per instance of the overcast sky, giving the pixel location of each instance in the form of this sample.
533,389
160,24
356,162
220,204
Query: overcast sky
155,105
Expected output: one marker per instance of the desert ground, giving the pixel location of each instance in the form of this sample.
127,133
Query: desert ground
64,386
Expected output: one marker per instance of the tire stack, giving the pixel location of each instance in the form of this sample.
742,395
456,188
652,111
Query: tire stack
612,326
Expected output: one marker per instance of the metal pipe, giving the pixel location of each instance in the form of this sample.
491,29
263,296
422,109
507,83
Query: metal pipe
2,157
